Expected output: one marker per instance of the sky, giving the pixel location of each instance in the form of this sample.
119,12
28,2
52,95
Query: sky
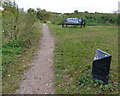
68,6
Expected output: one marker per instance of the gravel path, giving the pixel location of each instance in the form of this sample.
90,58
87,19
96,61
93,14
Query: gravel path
40,78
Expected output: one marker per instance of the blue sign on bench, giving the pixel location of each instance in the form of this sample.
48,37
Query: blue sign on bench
73,21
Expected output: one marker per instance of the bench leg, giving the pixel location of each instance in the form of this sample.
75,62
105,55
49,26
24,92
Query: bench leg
66,25
81,26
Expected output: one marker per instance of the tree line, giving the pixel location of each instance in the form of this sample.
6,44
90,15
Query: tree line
90,18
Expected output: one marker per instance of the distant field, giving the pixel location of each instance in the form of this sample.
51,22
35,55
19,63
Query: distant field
74,53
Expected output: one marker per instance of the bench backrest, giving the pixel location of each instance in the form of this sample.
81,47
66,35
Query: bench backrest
72,21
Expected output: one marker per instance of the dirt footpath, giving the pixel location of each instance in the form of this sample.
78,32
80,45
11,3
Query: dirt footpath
40,78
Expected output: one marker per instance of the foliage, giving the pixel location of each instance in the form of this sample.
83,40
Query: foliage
20,34
90,18
43,15
16,33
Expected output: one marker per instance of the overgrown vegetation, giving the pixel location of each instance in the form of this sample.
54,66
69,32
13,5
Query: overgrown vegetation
20,35
74,53
90,18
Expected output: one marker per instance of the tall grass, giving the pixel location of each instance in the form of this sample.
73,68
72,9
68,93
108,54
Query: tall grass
21,32
17,35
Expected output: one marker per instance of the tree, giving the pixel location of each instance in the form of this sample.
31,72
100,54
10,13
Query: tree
43,15
86,12
76,11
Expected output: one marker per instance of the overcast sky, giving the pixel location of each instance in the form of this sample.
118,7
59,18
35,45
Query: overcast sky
64,6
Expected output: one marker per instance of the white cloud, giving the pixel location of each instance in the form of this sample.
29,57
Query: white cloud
70,5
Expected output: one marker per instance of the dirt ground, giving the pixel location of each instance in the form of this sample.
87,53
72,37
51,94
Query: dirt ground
39,79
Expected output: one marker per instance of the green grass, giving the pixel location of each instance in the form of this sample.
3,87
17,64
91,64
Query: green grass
74,53
16,58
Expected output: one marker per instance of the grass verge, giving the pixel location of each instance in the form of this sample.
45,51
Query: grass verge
74,53
20,57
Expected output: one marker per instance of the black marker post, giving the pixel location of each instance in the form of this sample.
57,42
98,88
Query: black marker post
101,66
